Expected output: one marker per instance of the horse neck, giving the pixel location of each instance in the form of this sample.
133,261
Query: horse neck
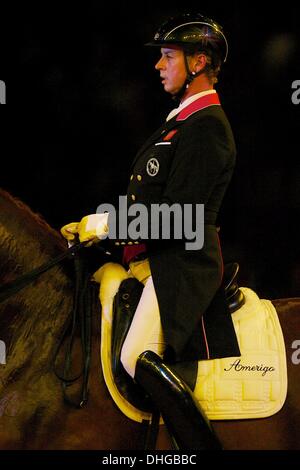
31,321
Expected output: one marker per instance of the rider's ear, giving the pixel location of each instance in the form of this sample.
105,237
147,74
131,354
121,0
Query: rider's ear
200,62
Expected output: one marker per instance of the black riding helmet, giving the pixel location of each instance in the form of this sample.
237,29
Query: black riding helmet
193,32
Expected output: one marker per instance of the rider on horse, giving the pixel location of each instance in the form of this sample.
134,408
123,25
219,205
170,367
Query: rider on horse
182,314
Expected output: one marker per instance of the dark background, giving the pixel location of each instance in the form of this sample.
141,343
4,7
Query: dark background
82,96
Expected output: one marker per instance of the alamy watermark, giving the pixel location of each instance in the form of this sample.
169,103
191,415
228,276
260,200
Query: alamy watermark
156,222
2,92
296,94
296,353
2,352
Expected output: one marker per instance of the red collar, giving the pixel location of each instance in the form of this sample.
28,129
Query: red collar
203,102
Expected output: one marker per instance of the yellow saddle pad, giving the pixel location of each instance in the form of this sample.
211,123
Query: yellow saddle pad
253,385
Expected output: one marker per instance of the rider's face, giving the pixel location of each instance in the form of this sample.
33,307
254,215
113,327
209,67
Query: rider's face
172,69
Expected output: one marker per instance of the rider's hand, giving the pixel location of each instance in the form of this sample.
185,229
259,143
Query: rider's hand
68,231
93,228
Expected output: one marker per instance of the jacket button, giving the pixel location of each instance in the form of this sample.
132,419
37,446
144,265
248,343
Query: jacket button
131,177
129,243
132,197
136,243
139,178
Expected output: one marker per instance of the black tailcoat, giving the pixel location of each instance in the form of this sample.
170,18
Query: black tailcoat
189,160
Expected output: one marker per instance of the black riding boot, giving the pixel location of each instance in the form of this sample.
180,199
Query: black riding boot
180,411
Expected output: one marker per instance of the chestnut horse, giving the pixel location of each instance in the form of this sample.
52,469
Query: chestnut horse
33,322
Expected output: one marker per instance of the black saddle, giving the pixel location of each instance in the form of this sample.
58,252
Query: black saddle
234,296
125,304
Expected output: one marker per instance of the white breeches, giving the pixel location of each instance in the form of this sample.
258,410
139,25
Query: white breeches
145,332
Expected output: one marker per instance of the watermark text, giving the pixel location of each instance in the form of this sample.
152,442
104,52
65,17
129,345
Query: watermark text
296,94
156,222
2,352
2,92
296,353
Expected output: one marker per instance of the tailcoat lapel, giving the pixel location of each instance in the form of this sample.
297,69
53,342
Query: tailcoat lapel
156,136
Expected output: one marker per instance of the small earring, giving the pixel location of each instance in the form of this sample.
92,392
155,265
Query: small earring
193,73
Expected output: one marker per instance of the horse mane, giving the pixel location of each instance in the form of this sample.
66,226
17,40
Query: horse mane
26,239
28,213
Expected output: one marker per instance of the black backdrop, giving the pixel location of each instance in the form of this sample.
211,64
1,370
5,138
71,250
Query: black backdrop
82,96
